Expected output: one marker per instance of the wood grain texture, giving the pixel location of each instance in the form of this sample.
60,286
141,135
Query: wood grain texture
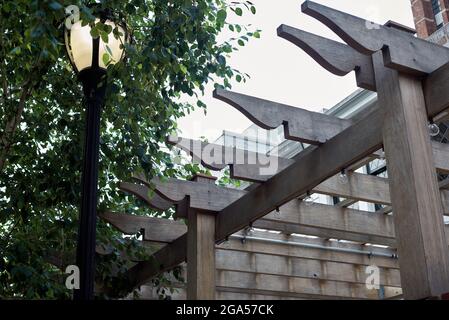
145,194
259,263
338,58
299,124
244,164
201,256
235,279
163,260
404,52
422,244
155,229
437,93
201,195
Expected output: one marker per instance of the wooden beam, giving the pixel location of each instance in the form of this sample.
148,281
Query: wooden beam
357,186
404,52
437,93
163,260
422,246
244,164
201,252
299,124
314,167
289,228
145,194
155,229
346,203
200,195
335,218
256,167
441,156
338,58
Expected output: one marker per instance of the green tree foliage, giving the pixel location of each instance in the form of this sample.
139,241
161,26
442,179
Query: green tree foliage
174,54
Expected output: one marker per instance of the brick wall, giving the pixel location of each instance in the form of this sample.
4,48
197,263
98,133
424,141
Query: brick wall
424,17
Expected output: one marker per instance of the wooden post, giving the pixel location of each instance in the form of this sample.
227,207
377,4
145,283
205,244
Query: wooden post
419,224
201,251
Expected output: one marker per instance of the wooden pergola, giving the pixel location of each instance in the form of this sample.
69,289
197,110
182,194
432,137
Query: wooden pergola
227,260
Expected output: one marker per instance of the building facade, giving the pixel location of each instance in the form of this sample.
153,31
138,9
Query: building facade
431,19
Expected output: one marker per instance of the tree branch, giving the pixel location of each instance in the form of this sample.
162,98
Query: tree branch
6,141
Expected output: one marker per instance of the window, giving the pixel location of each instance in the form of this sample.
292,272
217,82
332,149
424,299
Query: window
436,7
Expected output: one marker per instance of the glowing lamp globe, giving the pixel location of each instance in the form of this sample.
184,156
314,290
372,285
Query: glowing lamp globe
86,52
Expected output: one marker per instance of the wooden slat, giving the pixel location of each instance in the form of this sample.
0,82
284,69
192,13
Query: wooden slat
249,294
234,279
299,124
361,187
302,268
289,228
404,52
422,245
335,218
338,58
319,249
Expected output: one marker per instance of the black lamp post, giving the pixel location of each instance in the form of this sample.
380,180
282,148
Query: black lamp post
89,57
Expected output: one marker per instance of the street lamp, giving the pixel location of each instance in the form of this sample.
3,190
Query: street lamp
90,57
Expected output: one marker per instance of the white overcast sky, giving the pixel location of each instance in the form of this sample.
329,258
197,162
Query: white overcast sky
282,72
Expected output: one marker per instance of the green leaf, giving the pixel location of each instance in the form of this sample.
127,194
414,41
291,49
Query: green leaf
253,9
238,11
221,16
94,33
183,68
241,42
104,36
256,34
106,59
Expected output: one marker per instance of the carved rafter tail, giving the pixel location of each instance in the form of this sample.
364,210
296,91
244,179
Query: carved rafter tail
402,51
337,58
320,49
200,151
237,100
341,23
143,193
